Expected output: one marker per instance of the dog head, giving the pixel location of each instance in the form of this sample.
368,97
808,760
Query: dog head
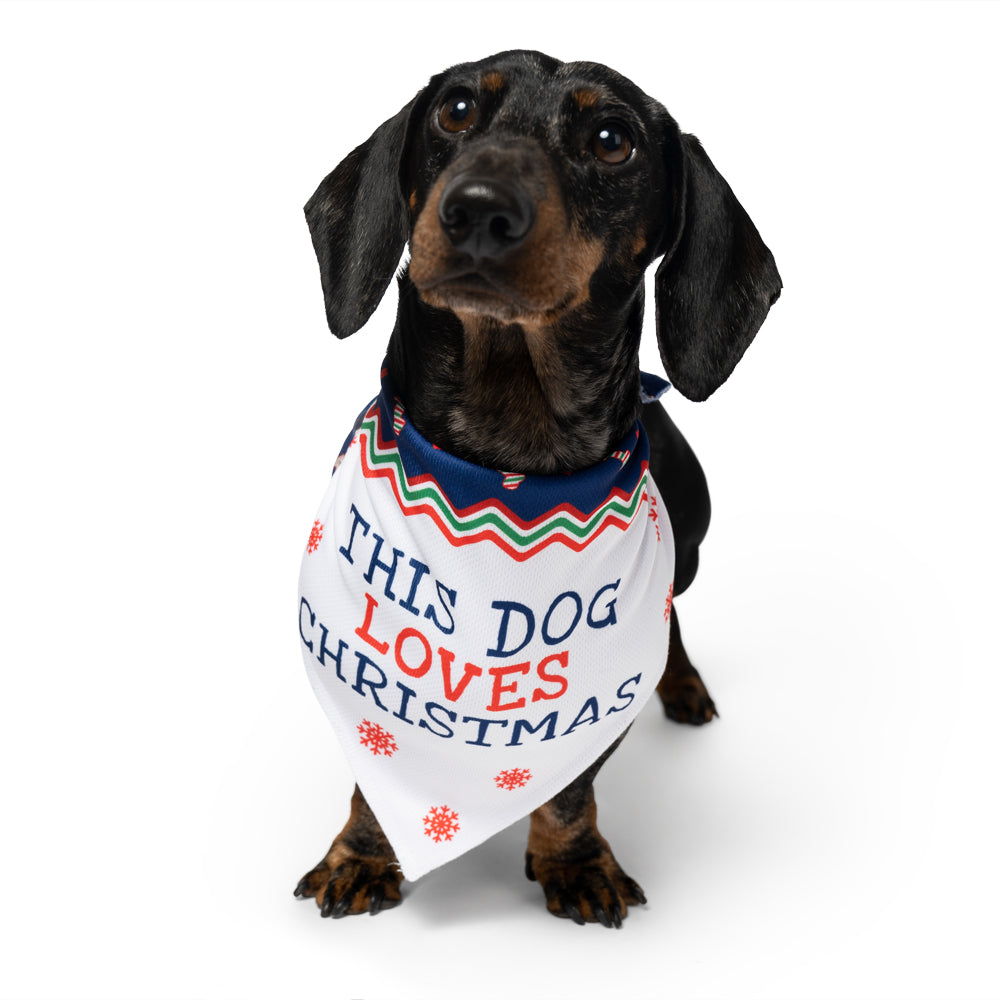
537,192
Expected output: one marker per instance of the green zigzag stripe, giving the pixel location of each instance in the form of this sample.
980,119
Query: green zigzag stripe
493,518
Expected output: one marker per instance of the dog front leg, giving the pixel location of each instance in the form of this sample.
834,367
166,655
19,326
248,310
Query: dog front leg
681,689
573,862
360,872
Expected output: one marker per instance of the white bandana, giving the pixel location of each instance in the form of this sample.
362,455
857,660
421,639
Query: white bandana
477,639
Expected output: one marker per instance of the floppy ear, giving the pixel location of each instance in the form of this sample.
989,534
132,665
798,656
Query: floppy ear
716,283
358,222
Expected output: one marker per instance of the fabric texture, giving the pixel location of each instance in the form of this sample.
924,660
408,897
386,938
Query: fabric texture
477,638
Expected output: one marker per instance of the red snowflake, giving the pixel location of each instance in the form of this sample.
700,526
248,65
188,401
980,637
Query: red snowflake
654,514
516,777
440,822
670,603
315,536
376,738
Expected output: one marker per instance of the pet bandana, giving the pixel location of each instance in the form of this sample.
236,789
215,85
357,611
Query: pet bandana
477,639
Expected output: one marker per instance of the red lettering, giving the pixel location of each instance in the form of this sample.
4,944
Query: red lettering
454,693
412,633
382,647
563,660
498,689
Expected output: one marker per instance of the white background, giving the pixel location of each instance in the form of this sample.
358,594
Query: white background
171,402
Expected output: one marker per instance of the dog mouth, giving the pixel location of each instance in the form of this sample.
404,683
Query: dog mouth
462,280
468,288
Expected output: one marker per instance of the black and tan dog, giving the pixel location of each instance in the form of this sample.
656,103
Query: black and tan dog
534,194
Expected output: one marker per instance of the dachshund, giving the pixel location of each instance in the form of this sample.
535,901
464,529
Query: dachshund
533,195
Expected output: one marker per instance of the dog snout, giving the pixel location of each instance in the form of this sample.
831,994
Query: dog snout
485,217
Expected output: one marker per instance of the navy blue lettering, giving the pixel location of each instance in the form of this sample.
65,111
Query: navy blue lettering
408,693
523,724
325,651
419,569
377,563
358,519
443,592
529,627
360,681
312,622
611,618
448,731
554,640
484,724
625,694
581,718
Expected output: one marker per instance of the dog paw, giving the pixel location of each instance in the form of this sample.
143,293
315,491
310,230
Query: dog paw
352,884
595,890
686,699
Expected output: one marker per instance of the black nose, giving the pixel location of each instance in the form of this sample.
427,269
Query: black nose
484,217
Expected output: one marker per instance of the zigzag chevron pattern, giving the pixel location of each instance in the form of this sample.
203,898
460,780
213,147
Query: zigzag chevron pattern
491,520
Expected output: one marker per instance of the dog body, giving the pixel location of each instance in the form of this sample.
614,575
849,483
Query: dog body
534,194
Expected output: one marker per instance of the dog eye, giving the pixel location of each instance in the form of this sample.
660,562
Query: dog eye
457,113
611,143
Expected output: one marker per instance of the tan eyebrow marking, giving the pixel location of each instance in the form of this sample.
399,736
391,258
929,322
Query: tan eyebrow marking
492,81
586,98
